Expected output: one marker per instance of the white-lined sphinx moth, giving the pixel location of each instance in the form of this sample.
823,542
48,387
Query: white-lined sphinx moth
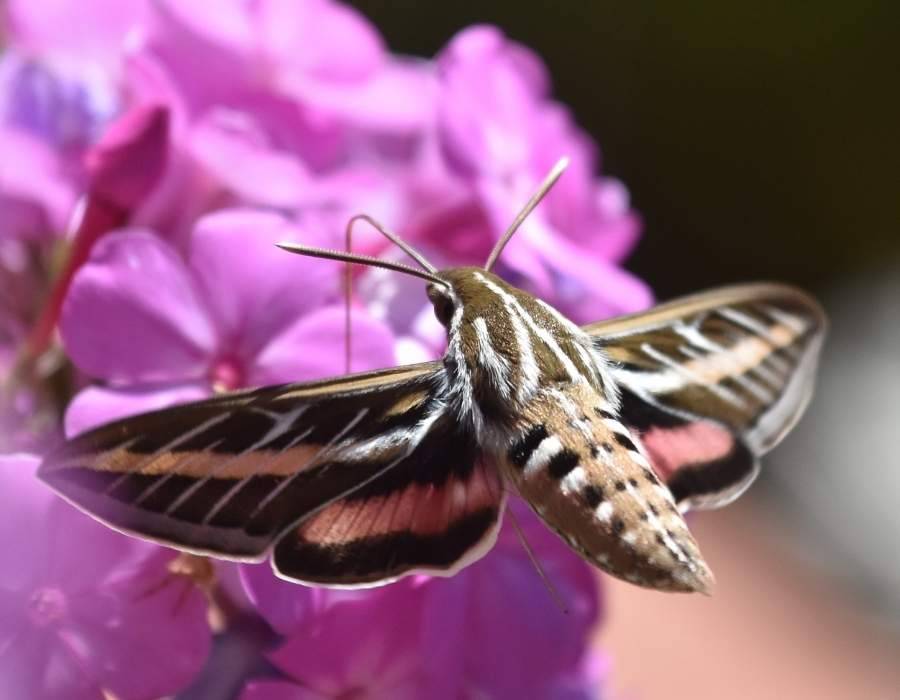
609,431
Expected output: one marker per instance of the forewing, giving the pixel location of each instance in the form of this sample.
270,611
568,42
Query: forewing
228,475
713,381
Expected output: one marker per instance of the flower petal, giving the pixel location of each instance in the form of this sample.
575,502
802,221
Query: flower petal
89,615
36,196
313,348
581,276
338,43
96,405
133,314
129,160
492,89
25,504
277,690
94,30
507,653
254,289
40,665
385,658
146,631
267,176
286,606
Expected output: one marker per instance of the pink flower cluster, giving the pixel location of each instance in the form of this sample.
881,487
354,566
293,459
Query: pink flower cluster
166,148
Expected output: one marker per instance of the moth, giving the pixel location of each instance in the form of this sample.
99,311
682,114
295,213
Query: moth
611,432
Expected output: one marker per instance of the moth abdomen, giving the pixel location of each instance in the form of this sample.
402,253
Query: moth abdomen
584,475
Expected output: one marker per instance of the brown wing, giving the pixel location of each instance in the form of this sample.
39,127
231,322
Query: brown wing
226,476
713,381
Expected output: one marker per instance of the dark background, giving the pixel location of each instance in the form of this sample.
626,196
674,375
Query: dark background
757,141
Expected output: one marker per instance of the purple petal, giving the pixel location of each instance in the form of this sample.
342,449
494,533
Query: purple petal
133,314
289,126
131,156
26,502
82,601
229,26
343,68
39,666
338,43
286,606
231,586
507,653
277,690
608,289
103,556
254,289
36,197
63,107
94,30
488,102
144,640
586,683
384,658
313,348
267,175
401,97
400,301
620,224
96,405
187,40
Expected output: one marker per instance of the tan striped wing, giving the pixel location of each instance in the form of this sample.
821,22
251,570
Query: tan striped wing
713,381
228,476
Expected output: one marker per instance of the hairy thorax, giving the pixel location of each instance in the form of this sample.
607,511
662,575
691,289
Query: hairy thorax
505,347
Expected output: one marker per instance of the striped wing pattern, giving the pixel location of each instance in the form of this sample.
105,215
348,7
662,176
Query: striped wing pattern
711,382
229,476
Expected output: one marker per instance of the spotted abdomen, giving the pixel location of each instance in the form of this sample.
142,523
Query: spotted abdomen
585,476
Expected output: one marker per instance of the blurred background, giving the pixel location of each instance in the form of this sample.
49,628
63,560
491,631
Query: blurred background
758,141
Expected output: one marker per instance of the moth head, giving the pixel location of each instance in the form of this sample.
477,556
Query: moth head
464,288
443,300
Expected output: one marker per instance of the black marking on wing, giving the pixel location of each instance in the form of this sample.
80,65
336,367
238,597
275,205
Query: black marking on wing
448,450
737,364
716,476
384,556
201,477
694,480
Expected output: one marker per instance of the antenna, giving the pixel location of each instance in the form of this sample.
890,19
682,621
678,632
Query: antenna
430,271
536,198
348,274
360,259
393,238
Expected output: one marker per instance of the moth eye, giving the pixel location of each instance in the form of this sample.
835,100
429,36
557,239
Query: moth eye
443,309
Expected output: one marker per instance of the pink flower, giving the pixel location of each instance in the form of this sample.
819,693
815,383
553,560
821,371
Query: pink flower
122,169
160,329
200,139
493,630
501,132
44,125
85,611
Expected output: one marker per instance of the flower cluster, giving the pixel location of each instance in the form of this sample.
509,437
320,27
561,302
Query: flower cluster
159,151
